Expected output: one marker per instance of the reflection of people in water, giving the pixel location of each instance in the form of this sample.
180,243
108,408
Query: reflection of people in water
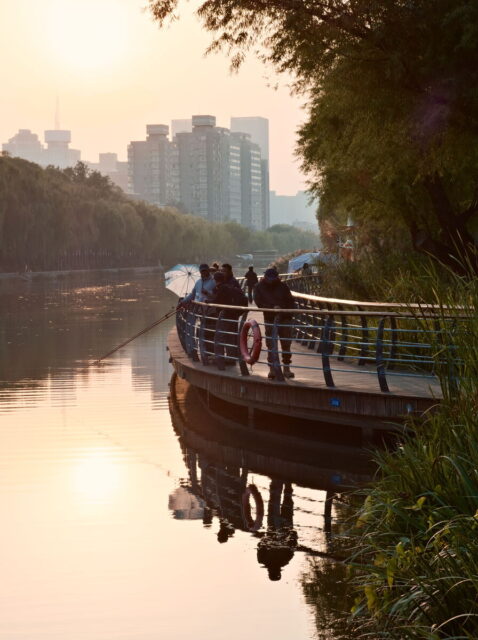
185,505
226,530
222,488
276,549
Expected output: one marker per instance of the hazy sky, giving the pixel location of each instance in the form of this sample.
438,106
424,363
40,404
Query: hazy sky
114,71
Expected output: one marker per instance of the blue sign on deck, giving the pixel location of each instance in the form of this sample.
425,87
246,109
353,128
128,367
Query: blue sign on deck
335,402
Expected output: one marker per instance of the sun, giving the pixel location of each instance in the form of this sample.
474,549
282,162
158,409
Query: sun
96,477
87,35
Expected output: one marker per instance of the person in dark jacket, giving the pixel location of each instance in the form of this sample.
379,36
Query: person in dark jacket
229,276
251,281
272,293
306,269
228,295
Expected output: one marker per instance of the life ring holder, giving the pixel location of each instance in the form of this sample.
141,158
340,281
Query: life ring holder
252,524
250,356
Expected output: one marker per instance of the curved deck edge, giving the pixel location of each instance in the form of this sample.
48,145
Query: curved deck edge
368,411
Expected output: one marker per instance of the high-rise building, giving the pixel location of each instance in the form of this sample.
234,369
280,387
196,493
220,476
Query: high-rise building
209,171
152,167
109,165
251,181
205,170
181,126
297,210
58,152
258,128
26,145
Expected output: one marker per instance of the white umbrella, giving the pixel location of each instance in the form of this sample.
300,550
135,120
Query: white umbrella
182,278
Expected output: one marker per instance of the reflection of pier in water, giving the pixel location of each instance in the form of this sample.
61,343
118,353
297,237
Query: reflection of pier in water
253,483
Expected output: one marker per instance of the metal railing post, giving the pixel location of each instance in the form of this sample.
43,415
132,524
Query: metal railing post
364,347
381,372
314,332
190,329
180,322
242,365
204,356
275,358
394,347
326,350
219,347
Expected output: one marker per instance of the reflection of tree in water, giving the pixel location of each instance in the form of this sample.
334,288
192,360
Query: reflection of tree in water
326,585
326,590
47,324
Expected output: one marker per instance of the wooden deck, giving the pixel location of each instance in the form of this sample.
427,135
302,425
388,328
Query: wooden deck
354,401
350,377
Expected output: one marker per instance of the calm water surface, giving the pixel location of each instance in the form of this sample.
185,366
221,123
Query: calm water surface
114,526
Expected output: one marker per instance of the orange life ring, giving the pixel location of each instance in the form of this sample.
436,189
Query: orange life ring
253,524
252,356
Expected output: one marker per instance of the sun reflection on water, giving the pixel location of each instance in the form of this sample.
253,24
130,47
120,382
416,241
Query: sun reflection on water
96,477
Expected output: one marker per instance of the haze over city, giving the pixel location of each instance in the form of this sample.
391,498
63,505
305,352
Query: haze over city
114,71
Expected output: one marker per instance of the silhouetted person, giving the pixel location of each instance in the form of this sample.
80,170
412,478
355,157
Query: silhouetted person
226,531
251,281
306,269
272,293
276,549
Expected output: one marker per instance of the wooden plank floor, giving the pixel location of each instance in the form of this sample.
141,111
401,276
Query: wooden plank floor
351,377
347,375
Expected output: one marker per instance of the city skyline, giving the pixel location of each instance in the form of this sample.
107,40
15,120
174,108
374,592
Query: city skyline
209,171
118,71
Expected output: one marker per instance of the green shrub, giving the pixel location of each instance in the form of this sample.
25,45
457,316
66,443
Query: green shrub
416,567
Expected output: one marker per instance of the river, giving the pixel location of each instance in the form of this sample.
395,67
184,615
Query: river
119,524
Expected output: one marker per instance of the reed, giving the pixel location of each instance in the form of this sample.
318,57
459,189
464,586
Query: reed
415,564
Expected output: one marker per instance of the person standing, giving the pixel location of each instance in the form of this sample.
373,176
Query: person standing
228,295
203,288
229,276
272,293
306,269
251,281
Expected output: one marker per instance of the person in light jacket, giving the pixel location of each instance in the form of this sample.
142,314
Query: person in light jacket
203,288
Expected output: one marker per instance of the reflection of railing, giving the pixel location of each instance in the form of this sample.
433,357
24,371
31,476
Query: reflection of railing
335,337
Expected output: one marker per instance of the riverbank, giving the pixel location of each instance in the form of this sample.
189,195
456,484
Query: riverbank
415,555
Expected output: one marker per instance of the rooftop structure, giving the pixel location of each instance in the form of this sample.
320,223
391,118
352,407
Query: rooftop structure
26,145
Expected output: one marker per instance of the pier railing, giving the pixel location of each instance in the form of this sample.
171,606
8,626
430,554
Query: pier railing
327,337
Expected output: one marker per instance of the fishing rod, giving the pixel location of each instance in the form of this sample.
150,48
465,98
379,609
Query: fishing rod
170,313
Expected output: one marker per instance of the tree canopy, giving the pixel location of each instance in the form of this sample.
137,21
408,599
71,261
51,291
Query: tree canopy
392,130
76,218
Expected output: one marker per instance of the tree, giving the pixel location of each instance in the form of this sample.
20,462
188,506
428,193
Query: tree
52,219
392,129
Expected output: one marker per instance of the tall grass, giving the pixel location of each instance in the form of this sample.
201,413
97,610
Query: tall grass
390,278
416,563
